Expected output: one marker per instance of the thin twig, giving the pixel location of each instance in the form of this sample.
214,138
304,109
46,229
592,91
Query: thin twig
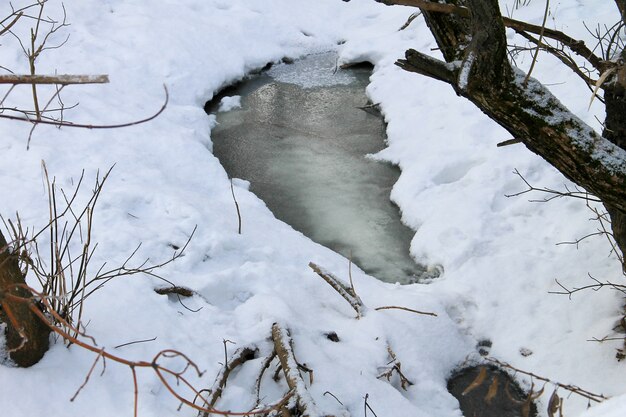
135,342
232,191
536,53
91,126
425,313
572,388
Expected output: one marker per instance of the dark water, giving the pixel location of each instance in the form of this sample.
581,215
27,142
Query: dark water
302,141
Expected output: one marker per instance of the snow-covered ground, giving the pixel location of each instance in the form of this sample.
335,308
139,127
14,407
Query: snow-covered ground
500,255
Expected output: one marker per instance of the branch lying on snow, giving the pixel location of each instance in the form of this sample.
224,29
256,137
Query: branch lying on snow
241,356
395,366
266,364
346,292
284,351
425,313
571,388
90,126
351,297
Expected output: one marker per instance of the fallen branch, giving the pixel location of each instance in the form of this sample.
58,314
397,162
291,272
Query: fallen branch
284,350
509,142
395,366
64,79
425,313
241,356
409,20
346,292
257,386
571,388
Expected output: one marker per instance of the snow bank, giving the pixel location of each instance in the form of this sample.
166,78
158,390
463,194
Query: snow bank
499,254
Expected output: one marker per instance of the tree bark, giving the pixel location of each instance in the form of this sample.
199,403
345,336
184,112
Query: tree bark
621,5
26,335
528,110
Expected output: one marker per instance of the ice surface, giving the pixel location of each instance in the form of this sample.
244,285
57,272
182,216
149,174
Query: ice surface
304,151
308,73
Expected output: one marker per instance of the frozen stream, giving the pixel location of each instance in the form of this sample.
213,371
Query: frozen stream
301,140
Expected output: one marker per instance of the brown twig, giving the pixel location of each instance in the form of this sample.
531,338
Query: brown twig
539,42
135,342
266,364
571,388
160,370
582,195
8,27
595,287
426,313
395,366
92,126
241,356
410,20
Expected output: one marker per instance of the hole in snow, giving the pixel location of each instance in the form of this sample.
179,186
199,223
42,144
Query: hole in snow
495,395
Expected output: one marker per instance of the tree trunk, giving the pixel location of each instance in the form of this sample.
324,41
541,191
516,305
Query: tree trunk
527,109
26,335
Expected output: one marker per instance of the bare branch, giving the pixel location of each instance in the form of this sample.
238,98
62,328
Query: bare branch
289,364
425,313
64,79
572,388
577,46
90,126
8,27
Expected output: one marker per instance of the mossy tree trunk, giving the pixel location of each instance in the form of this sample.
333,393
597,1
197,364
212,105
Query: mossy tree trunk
27,337
474,47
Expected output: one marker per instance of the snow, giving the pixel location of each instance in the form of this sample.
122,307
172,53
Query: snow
500,255
466,68
230,103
